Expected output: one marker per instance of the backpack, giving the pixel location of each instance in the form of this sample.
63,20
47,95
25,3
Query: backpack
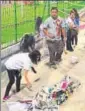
27,43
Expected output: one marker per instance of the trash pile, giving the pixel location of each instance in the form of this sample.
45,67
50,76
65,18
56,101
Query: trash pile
58,93
50,98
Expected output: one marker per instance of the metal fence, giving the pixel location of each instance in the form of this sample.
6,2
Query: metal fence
18,17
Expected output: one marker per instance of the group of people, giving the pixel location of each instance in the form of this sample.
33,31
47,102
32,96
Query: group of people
57,33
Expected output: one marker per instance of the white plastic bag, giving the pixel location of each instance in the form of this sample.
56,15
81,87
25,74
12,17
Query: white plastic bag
74,60
16,106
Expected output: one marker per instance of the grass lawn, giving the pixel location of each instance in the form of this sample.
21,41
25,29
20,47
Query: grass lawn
26,19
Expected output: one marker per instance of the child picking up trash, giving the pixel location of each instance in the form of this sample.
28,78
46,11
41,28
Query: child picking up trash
15,64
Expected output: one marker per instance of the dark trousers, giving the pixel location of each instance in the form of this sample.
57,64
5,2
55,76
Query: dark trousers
55,50
74,39
69,40
12,74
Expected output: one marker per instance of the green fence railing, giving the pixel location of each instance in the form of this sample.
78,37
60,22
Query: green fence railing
18,18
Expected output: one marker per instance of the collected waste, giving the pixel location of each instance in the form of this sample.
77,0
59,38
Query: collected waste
48,98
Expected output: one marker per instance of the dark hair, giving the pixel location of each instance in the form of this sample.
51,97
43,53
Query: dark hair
54,8
27,41
76,13
35,56
38,23
71,12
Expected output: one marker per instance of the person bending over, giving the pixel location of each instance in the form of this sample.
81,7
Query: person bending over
27,43
15,64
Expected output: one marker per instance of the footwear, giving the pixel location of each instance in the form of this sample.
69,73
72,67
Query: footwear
70,50
49,63
53,66
5,98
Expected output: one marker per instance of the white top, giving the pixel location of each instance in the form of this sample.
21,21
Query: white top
69,20
19,61
41,31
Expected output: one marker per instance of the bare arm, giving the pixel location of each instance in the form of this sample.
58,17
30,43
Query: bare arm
48,34
26,77
70,25
73,26
45,31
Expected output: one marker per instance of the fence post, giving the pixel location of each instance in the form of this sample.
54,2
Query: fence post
15,13
44,9
68,4
49,7
57,3
0,44
34,13
63,4
63,8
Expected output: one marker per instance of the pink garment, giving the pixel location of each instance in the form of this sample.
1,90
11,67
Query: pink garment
58,27
64,85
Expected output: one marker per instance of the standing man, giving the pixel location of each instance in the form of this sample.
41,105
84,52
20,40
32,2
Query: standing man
53,28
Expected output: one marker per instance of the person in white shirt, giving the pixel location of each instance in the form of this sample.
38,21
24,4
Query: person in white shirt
15,64
71,25
41,30
44,44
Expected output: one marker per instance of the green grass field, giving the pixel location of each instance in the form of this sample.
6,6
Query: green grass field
26,21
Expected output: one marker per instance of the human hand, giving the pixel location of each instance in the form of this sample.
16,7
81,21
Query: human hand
29,85
51,35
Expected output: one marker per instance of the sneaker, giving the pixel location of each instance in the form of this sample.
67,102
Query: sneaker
5,98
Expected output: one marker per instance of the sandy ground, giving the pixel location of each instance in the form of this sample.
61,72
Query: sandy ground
76,102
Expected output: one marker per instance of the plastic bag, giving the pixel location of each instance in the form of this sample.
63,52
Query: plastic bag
74,60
